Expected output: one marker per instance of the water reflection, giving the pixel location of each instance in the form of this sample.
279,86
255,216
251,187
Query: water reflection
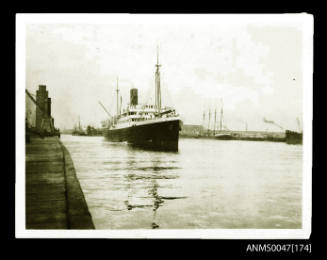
228,184
157,201
154,172
150,148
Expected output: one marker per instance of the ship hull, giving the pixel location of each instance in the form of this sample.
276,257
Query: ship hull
162,135
224,137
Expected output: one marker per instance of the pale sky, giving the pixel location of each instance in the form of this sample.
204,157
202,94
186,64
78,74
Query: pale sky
256,69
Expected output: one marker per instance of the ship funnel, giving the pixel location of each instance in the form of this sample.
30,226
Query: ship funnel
133,100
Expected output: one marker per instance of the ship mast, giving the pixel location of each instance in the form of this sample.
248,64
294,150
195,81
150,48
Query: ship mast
157,85
121,104
214,127
221,116
203,118
209,122
117,90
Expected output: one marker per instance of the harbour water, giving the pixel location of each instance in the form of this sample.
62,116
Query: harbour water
207,184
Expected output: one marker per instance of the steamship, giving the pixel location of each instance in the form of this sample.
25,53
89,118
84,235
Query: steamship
293,137
147,126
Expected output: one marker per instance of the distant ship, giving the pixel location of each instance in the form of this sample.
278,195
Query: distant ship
148,126
225,136
78,130
293,137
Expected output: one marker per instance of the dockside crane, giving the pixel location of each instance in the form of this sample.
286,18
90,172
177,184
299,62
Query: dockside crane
111,118
105,110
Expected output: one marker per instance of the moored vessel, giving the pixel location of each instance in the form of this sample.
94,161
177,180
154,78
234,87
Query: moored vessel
293,137
147,126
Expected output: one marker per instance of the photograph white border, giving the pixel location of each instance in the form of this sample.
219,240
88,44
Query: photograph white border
303,21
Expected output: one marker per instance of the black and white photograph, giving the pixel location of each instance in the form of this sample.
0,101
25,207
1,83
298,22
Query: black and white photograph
164,125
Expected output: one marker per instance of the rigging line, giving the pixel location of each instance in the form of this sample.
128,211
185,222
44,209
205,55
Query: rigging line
112,104
149,90
148,96
170,100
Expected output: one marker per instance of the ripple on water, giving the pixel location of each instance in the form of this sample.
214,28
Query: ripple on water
207,184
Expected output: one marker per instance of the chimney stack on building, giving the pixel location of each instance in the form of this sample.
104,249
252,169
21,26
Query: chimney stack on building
43,110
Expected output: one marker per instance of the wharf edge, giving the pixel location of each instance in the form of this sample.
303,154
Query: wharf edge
54,198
